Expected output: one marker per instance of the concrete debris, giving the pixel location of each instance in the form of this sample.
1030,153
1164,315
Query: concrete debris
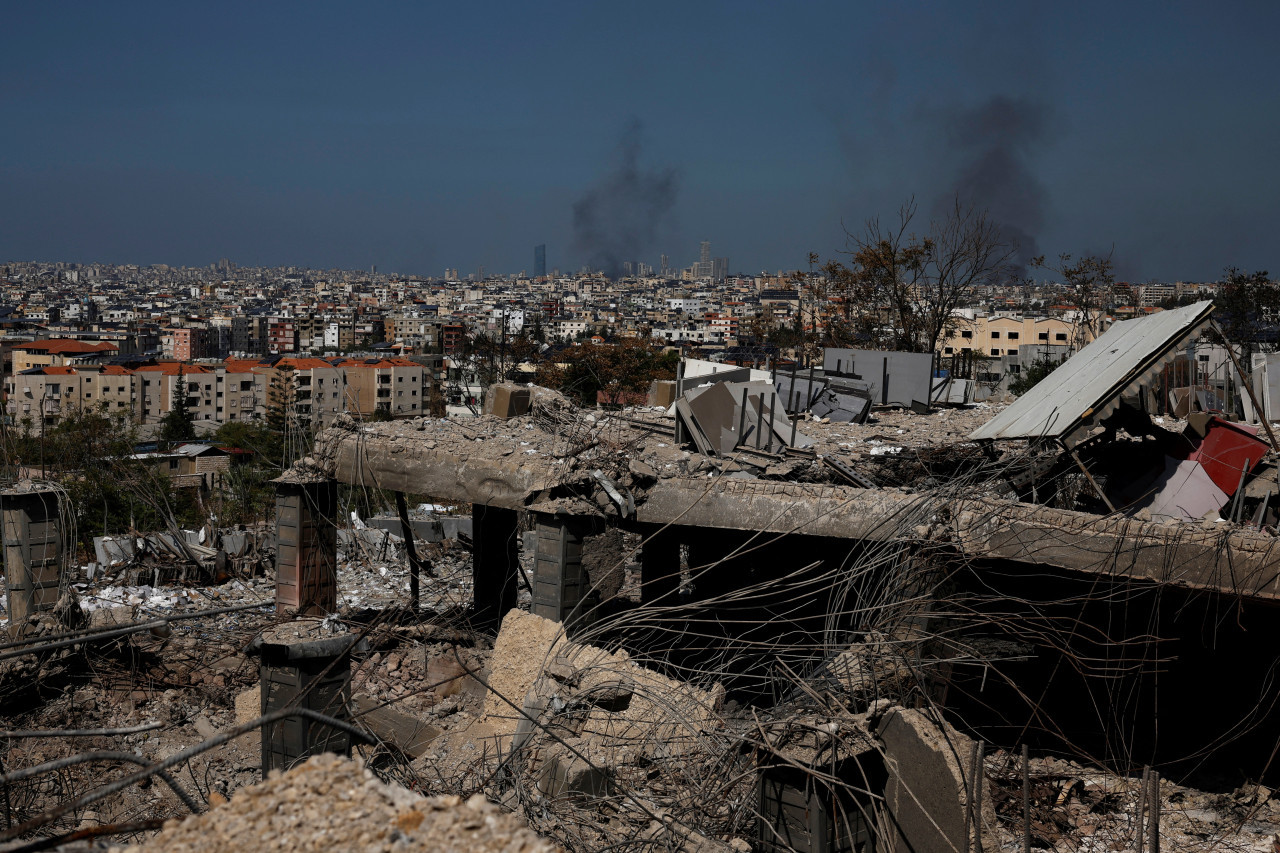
929,790
331,803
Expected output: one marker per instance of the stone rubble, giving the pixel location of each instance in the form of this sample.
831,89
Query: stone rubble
334,804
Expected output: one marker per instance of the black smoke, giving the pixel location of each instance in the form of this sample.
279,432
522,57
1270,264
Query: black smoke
994,143
617,220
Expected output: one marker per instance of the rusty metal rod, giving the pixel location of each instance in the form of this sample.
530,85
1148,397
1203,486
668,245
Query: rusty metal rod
977,794
1153,826
83,757
177,758
968,811
1026,800
90,832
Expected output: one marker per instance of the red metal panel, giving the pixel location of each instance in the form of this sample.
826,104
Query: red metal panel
1227,450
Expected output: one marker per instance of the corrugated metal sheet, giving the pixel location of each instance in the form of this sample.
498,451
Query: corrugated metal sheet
1087,387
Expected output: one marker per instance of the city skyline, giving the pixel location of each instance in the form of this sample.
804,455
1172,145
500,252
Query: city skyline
164,136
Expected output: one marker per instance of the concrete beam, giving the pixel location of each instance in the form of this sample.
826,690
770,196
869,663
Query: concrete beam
773,507
1218,557
461,472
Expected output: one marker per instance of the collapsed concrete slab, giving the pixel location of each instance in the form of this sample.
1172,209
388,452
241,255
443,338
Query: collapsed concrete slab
932,788
535,667
521,467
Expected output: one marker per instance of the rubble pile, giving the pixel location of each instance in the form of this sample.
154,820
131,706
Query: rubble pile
765,642
331,803
1073,807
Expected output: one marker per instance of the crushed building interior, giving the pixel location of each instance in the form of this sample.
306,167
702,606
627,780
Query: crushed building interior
816,609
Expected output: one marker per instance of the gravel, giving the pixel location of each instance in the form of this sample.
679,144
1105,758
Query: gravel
333,804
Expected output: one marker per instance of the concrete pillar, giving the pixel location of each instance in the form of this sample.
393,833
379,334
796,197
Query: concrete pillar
660,566
495,562
32,526
306,545
303,666
559,582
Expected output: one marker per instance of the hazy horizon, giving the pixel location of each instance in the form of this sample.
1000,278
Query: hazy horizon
426,138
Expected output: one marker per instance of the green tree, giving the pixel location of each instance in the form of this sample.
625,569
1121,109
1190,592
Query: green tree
178,424
1036,371
246,435
281,421
1247,308
613,370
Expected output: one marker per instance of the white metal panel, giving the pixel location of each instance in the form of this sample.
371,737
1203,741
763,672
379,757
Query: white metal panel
1086,387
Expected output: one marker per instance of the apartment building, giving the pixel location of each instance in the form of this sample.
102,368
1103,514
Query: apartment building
59,352
202,386
45,395
1003,335
224,392
396,386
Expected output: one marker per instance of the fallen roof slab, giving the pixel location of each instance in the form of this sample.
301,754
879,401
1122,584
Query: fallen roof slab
516,465
1087,387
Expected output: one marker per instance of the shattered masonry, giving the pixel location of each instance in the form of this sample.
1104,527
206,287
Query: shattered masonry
770,613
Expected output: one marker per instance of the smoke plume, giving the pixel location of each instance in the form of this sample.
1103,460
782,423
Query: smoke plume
995,141
617,220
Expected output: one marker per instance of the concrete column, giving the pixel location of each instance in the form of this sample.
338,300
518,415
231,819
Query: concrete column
303,666
495,562
306,545
660,566
559,582
32,550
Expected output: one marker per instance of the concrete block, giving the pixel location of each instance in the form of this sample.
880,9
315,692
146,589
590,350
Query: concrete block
424,529
926,793
662,392
453,525
113,549
408,734
506,400
565,774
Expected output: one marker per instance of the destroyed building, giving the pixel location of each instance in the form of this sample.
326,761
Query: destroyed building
836,608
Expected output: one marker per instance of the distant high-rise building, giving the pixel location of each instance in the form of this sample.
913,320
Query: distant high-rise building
703,268
540,260
720,269
627,268
664,266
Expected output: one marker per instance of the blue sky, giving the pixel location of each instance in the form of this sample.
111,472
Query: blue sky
420,136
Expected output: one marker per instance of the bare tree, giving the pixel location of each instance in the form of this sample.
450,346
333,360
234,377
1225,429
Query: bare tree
1089,279
900,290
